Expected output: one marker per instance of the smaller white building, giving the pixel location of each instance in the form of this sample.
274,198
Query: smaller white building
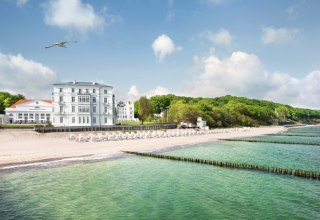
202,124
29,112
125,111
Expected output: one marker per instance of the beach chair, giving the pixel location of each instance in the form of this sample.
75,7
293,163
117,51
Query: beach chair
72,137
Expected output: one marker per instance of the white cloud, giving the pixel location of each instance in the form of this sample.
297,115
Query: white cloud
133,93
238,74
73,16
221,37
303,92
163,46
19,75
159,90
243,74
21,3
278,36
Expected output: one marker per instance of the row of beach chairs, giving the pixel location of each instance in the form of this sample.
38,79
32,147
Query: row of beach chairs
118,136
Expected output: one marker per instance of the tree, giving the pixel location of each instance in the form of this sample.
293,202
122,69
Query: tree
144,108
7,99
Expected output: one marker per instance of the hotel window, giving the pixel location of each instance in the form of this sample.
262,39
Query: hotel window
94,109
93,90
60,90
94,120
83,98
31,116
61,98
61,108
87,90
88,120
20,116
105,100
37,116
84,109
106,120
94,99
80,91
73,120
61,119
73,99
25,116
72,90
73,108
105,91
42,116
106,109
84,120
48,116
79,120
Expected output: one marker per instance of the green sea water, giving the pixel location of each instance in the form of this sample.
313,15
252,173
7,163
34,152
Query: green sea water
148,188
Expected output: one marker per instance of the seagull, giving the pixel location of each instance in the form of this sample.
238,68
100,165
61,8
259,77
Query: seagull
60,44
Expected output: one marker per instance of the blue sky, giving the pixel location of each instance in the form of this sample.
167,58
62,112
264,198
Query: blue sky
258,49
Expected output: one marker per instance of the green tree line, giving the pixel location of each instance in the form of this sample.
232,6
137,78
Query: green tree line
225,111
7,99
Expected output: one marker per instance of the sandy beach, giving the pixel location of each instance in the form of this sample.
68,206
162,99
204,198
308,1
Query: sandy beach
27,146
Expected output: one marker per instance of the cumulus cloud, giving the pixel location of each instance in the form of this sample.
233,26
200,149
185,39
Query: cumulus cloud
133,93
163,46
278,36
159,90
73,16
20,75
221,37
21,3
243,74
303,92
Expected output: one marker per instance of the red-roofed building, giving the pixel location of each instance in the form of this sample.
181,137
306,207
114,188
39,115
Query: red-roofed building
28,111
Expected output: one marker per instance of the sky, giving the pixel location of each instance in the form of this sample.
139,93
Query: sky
201,48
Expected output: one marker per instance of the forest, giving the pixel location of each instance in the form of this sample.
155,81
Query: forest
225,111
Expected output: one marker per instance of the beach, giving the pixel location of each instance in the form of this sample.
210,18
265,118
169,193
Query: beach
27,146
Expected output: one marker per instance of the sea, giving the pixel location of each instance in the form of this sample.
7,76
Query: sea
135,187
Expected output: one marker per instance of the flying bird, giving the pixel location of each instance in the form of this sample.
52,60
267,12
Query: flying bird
60,44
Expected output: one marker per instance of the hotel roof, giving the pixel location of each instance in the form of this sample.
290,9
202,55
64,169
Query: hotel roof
27,100
81,84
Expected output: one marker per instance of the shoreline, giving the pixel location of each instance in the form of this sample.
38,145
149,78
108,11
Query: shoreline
28,148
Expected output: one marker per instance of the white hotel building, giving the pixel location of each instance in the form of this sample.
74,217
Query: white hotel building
82,104
29,112
125,111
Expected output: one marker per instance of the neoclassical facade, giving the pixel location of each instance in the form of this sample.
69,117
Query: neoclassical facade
29,112
125,111
83,104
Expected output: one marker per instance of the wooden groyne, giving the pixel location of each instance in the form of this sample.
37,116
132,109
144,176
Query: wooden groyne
277,170
295,135
303,132
273,142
